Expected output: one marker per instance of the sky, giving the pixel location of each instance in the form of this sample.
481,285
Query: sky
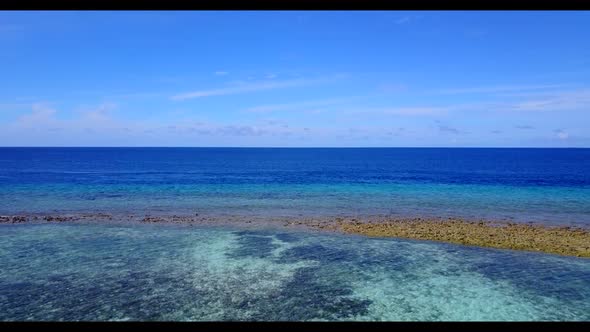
295,78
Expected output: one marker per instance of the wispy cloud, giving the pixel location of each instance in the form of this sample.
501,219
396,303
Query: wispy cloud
526,102
301,105
232,130
42,114
495,89
240,130
411,110
101,113
570,100
91,124
561,134
546,101
221,73
12,106
416,110
138,95
249,87
396,132
448,129
525,127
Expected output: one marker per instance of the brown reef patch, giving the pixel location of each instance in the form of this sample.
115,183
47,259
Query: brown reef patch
569,241
562,240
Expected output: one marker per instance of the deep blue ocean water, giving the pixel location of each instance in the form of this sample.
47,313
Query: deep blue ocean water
539,185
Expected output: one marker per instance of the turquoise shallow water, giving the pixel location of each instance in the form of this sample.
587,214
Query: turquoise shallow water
165,272
552,205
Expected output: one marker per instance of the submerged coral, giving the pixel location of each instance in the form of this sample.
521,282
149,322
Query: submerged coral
568,241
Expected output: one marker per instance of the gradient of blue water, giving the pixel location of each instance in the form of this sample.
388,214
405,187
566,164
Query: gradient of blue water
540,185
166,272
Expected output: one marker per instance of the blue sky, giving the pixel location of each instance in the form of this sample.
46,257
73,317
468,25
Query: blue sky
307,78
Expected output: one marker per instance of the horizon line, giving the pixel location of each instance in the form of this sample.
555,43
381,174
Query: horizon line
300,147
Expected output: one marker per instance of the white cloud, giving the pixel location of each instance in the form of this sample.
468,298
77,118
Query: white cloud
221,73
410,110
243,88
313,104
97,126
447,129
494,89
100,114
561,134
556,101
137,95
41,115
42,109
546,101
13,106
570,100
417,110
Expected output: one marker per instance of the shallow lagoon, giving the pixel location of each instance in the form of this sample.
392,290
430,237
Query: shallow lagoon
168,272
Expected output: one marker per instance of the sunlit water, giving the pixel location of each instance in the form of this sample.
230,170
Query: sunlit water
165,272
149,272
538,185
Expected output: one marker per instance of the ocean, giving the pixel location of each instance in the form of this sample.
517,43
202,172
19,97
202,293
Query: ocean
532,185
124,271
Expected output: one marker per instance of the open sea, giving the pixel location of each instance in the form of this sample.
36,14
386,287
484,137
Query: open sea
174,272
